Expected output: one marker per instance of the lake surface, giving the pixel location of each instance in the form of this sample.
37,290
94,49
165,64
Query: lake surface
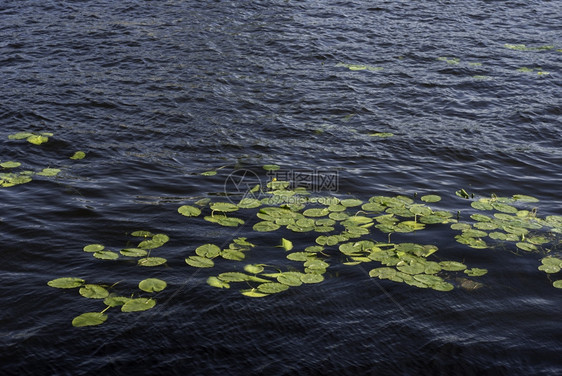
158,92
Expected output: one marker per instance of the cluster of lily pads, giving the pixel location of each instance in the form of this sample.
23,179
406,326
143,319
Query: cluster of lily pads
142,251
10,179
132,303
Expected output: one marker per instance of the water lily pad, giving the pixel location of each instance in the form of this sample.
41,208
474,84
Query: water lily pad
443,286
552,261
290,278
189,211
106,255
93,291
223,207
10,164
215,282
549,268
142,234
234,277
311,278
504,208
351,202
452,266
316,212
272,287
133,252
37,139
78,155
253,293
300,256
232,254
209,173
66,283
525,198
557,284
381,134
271,167
199,262
526,246
482,204
20,136
208,251
287,245
152,285
49,172
249,203
475,272
89,319
151,261
265,226
93,248
138,304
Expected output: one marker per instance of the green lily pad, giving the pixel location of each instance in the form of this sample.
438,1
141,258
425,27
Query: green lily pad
89,319
475,272
249,203
525,198
223,207
152,285
78,155
311,278
443,286
381,134
49,172
151,261
199,262
93,248
271,167
351,202
300,256
290,278
552,261
232,254
209,173
208,251
452,266
287,245
265,226
316,212
133,252
272,287
142,233
253,293
115,301
215,282
482,205
66,283
526,246
253,268
504,208
557,284
20,136
93,292
138,304
37,139
234,277
10,164
106,255
189,211
549,268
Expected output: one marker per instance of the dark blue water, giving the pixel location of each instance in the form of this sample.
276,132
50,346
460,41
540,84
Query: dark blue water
157,92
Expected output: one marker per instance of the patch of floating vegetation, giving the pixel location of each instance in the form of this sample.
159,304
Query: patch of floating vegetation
522,47
34,138
360,67
452,60
381,134
539,71
132,303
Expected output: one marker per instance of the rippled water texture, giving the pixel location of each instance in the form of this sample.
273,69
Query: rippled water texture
157,92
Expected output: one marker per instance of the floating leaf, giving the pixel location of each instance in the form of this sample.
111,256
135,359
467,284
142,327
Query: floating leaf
141,233
133,252
272,287
254,269
443,286
106,255
93,292
20,136
208,251
78,155
549,268
525,198
137,305
10,164
299,256
215,282
66,283
49,172
482,205
89,319
557,284
199,262
287,245
475,272
462,193
224,207
290,278
504,208
311,278
232,254
253,293
452,266
351,202
209,173
316,212
37,139
115,301
234,277
526,246
249,203
271,167
189,211
265,226
381,134
152,285
93,248
431,198
151,261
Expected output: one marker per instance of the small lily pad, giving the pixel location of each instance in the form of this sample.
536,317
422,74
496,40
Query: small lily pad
189,211
215,282
10,164
271,167
557,284
78,155
106,255
526,246
549,268
208,251
199,262
93,248
351,202
253,293
151,261
272,287
133,252
66,283
265,226
232,254
49,172
115,301
311,278
89,319
475,272
452,266
431,198
137,305
93,291
152,285
223,207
